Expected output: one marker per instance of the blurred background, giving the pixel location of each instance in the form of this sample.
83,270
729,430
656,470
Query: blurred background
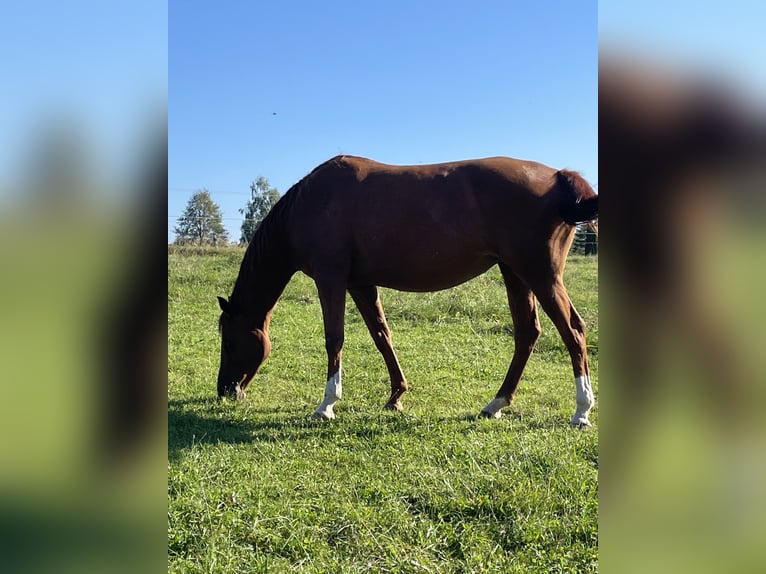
83,172
682,144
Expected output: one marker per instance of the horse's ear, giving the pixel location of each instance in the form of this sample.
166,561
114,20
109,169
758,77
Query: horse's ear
224,305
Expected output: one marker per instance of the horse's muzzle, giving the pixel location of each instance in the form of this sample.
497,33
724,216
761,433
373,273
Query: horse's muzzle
234,392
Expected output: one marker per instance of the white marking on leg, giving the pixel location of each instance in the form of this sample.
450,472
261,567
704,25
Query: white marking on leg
333,392
494,407
585,401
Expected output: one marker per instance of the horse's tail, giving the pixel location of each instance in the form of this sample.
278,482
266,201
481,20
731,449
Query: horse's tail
577,200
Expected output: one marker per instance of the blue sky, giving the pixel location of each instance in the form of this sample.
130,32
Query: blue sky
99,68
275,88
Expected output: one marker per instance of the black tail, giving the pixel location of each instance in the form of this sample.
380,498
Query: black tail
578,201
584,210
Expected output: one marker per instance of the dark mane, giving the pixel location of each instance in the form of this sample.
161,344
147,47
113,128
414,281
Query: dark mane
260,250
266,247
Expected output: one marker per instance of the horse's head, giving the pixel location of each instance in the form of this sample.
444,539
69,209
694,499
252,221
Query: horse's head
243,350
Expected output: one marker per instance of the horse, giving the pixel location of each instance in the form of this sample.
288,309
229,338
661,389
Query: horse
354,224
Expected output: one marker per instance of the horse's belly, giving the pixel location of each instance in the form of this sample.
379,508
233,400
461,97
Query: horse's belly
422,274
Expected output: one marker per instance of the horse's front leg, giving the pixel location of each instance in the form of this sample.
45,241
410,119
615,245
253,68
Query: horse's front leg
333,300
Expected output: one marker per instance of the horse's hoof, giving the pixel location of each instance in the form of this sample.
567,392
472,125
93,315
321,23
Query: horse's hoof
580,423
397,406
494,409
323,415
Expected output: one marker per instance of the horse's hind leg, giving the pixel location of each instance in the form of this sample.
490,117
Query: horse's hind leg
526,330
368,303
332,296
555,301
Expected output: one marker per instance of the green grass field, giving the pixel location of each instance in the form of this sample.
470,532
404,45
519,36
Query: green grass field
258,486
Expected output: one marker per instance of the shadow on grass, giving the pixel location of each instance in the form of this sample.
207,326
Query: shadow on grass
195,421
202,421
205,421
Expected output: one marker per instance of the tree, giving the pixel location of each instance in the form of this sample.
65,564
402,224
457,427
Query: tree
262,198
201,222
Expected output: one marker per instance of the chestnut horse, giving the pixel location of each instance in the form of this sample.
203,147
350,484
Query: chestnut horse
354,224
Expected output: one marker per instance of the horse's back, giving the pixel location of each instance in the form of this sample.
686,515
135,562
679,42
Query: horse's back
416,227
526,173
358,187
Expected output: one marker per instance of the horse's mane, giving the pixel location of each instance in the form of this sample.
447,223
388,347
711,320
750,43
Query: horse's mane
266,247
262,247
275,219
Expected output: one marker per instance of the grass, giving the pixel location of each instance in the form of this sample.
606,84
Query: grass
258,486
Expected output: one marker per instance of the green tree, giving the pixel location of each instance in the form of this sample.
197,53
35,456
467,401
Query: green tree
201,222
262,198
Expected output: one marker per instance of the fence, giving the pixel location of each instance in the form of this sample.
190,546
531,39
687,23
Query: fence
585,241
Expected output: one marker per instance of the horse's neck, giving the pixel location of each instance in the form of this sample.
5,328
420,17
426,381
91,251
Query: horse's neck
258,288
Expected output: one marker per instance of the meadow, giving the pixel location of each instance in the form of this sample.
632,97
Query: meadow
259,486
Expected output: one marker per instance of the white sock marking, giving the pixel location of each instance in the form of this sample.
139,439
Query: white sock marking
333,392
494,407
585,401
